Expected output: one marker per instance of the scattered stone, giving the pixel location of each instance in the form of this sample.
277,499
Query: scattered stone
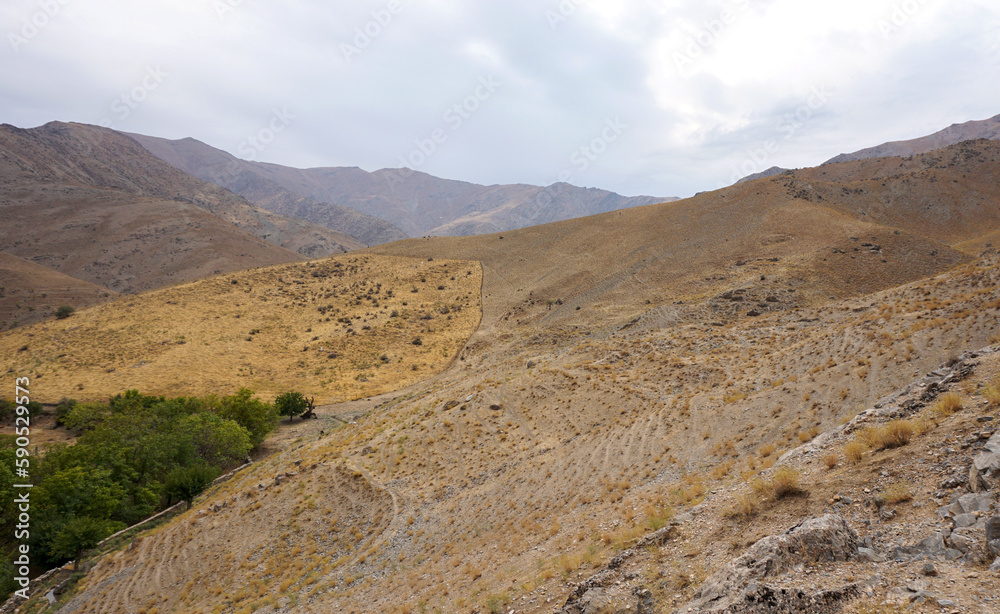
929,569
868,555
995,567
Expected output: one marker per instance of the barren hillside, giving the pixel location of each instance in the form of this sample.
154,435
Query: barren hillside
954,134
85,201
609,437
30,292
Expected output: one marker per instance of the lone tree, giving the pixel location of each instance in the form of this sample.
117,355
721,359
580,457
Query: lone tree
64,312
291,404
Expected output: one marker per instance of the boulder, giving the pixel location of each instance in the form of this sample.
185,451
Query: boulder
828,538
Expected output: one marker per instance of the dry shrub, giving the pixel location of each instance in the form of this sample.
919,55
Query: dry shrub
744,506
948,404
830,459
767,450
785,482
898,492
895,434
808,435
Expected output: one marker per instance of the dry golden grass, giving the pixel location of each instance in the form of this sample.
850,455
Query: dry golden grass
854,451
337,329
830,459
744,506
895,434
785,482
898,492
948,404
992,392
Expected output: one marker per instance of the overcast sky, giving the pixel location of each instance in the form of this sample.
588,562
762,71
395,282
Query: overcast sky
638,96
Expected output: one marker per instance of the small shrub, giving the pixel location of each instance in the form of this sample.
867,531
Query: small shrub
830,459
947,405
745,506
898,492
64,312
808,435
767,450
897,433
785,482
417,341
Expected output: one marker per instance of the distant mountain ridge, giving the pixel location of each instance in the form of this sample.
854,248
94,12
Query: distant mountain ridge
417,203
245,179
956,133
93,204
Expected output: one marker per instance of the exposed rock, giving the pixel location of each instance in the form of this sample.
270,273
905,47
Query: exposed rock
995,567
987,464
993,535
929,569
869,556
828,538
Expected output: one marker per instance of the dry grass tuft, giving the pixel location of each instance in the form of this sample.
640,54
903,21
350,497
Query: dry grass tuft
898,492
745,506
830,459
895,434
947,405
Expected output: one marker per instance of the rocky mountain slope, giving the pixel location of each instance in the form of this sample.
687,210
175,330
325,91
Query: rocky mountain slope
617,430
956,133
248,180
87,202
415,202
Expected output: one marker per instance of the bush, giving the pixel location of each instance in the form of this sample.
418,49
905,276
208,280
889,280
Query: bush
291,404
785,482
62,410
745,506
947,404
895,434
64,312
854,452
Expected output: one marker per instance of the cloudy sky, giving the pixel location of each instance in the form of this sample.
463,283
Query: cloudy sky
665,97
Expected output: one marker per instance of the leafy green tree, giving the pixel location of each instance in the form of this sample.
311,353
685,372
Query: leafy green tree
79,534
291,404
215,441
64,312
257,417
186,483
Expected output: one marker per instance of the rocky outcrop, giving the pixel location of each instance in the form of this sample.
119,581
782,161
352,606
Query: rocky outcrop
985,471
735,588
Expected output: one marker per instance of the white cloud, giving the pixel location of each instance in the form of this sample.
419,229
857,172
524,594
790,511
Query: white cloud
752,64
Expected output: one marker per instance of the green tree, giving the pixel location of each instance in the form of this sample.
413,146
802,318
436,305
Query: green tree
214,440
257,417
79,534
291,404
64,312
186,483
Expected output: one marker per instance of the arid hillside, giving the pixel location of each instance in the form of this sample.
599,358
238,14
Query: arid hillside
612,430
952,135
249,181
86,201
335,329
30,292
